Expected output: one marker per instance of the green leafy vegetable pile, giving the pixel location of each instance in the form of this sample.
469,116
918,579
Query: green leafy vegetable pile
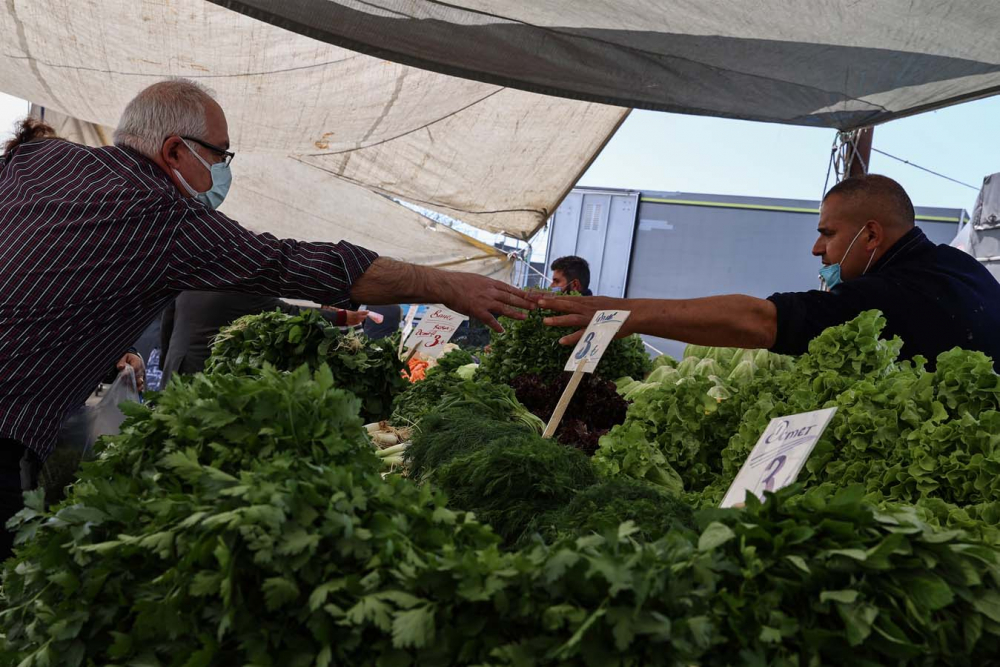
673,431
514,479
604,506
235,524
410,405
529,347
244,521
443,436
906,434
271,557
370,369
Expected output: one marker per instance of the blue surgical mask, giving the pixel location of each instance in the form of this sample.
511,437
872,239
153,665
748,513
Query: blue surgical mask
829,276
222,178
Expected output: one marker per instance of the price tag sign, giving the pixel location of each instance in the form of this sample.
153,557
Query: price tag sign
778,456
435,330
600,332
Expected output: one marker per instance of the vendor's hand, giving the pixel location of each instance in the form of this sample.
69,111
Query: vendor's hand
579,311
135,361
356,317
479,297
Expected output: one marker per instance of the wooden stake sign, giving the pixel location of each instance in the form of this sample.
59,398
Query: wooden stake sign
587,353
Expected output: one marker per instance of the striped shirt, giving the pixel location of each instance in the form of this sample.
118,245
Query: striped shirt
94,242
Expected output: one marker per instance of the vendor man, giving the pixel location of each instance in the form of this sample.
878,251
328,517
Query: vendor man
571,274
934,297
94,242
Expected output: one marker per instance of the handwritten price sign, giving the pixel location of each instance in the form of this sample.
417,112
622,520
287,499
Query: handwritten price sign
600,332
435,330
778,456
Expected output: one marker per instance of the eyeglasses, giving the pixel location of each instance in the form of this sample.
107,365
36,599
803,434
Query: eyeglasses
227,155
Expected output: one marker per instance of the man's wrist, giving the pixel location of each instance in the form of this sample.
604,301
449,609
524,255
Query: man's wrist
437,285
391,281
640,315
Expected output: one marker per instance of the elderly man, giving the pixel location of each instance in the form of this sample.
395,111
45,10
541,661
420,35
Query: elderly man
933,297
94,242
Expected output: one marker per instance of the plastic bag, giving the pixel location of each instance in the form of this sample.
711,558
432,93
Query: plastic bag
80,432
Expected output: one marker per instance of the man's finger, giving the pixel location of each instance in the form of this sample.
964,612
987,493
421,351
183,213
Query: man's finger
512,312
571,339
562,304
517,302
490,321
518,298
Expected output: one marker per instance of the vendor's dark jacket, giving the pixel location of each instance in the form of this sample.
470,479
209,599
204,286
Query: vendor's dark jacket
934,297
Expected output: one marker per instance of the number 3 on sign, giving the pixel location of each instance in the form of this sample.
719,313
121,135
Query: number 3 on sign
585,350
600,332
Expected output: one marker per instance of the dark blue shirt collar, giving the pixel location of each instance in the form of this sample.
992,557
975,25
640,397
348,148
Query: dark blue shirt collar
912,243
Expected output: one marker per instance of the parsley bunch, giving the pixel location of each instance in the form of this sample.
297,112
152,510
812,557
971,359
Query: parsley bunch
530,347
368,368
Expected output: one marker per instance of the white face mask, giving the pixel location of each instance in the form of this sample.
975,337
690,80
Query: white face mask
222,178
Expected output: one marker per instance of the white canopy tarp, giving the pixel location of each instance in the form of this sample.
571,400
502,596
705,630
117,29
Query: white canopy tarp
833,63
318,129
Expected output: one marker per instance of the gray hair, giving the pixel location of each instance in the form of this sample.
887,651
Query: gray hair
164,109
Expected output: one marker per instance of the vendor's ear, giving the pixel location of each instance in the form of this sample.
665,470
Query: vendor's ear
874,234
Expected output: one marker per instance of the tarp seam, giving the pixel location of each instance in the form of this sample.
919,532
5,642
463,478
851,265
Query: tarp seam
410,131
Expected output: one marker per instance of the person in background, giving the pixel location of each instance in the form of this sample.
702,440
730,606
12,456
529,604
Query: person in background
391,317
571,274
934,297
192,320
96,241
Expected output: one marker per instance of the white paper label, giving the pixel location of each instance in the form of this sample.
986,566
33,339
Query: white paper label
600,332
778,456
434,330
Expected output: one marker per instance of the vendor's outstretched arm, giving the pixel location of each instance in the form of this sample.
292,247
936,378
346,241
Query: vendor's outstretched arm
725,321
387,281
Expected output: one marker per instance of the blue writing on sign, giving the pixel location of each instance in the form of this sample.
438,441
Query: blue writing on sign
769,480
582,354
782,432
604,318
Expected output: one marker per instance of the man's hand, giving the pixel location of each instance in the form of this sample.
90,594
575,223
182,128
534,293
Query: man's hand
579,311
481,297
356,317
135,361
389,281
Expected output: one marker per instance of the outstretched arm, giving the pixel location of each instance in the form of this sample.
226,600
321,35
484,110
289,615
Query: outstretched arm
387,281
724,321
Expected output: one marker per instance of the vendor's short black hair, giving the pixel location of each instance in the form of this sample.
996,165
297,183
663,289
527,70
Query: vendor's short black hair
876,185
574,268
